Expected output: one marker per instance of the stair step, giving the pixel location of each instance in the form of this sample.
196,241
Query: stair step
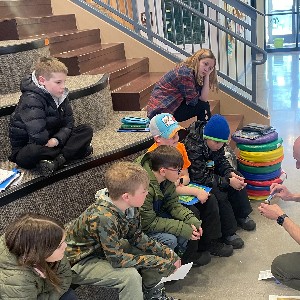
22,28
66,41
235,123
26,9
123,71
135,94
85,59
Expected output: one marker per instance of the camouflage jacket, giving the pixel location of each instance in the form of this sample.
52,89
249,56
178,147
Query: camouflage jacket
161,211
207,166
104,230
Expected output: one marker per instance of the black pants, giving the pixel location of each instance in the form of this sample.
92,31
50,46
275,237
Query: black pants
75,148
184,112
208,212
233,204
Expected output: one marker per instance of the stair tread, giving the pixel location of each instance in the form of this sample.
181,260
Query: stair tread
140,83
23,20
86,50
116,66
235,121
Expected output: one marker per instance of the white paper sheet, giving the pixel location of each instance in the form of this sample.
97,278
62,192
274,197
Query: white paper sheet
180,273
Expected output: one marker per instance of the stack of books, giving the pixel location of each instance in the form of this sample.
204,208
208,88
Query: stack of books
134,124
8,178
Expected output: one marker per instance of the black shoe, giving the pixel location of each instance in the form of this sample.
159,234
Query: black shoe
197,258
46,167
157,293
234,240
89,151
246,223
218,248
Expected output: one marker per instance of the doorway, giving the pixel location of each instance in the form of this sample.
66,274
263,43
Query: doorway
282,25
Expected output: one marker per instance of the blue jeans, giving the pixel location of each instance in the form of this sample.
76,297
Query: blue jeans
169,240
69,295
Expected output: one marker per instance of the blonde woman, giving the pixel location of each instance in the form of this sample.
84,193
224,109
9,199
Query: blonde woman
32,260
183,91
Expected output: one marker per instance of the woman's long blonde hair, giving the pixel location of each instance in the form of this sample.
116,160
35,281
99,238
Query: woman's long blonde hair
193,63
32,238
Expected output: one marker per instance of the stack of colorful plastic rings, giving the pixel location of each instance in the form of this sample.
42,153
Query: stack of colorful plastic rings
260,163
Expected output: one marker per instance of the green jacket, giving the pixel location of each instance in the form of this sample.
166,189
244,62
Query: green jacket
23,283
161,211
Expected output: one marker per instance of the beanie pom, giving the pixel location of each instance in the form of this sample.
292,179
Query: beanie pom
217,129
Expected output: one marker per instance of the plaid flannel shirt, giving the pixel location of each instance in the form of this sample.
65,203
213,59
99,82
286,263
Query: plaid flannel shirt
176,86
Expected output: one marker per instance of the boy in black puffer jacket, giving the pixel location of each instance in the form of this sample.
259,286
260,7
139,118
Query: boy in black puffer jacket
42,132
205,148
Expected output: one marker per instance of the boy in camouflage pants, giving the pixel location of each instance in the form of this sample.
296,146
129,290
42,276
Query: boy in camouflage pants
106,245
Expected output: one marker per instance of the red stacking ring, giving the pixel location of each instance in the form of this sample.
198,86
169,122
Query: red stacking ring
258,193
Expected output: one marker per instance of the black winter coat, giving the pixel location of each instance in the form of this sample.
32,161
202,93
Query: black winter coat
200,155
37,118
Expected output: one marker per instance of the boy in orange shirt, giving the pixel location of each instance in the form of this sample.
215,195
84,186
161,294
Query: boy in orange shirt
164,129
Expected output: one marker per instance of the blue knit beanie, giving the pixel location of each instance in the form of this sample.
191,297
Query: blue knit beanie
217,129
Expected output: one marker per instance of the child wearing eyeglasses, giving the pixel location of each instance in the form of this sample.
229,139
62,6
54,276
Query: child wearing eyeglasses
164,218
164,129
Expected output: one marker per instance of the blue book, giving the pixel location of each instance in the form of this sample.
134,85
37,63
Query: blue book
7,182
190,199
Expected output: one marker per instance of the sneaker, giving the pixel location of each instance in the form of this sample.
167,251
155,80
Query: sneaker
89,151
217,248
46,167
234,240
197,258
246,223
157,293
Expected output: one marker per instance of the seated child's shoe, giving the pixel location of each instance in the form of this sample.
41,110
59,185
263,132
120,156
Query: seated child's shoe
217,248
246,223
89,151
234,240
46,167
198,259
157,293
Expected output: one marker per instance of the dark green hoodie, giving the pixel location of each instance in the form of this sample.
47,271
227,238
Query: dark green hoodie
162,211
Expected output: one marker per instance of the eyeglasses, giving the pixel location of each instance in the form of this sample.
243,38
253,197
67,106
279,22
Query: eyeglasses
176,170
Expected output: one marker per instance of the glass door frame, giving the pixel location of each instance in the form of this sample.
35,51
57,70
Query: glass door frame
295,27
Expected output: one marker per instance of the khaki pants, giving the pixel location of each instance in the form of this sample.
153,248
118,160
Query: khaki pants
97,271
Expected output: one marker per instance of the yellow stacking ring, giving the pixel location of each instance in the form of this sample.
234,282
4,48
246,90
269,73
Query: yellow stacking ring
257,198
260,164
262,156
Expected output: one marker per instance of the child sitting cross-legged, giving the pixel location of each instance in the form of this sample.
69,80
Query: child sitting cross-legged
165,129
163,217
205,144
41,130
106,245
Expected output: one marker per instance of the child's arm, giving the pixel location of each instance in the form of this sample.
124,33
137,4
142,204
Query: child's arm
117,251
205,88
183,189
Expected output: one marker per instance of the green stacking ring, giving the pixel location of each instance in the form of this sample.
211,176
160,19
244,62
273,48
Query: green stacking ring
259,170
261,147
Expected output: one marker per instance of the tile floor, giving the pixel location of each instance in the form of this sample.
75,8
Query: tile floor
236,277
